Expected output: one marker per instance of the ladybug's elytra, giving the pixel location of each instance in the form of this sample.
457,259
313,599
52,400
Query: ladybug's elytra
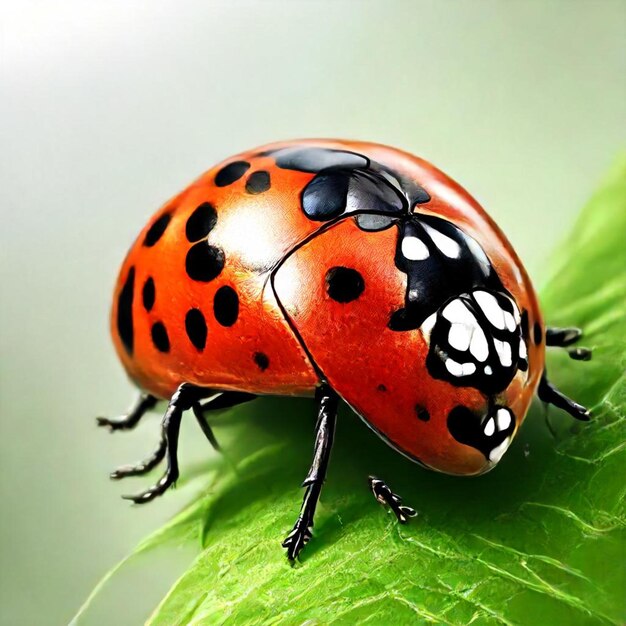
339,270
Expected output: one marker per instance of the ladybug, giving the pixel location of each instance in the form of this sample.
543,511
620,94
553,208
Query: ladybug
336,270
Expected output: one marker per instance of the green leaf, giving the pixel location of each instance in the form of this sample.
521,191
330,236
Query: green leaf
539,540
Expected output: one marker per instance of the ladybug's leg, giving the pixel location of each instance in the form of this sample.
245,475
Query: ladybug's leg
547,392
385,496
327,401
224,400
565,337
144,403
184,398
143,467
562,337
220,401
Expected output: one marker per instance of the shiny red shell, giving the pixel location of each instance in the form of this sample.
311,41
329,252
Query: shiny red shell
281,332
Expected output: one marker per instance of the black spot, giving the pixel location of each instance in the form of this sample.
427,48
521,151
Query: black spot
305,159
464,426
148,294
159,337
381,388
125,311
204,262
344,284
231,173
258,182
326,195
195,326
261,360
422,413
402,320
155,232
201,222
537,333
226,306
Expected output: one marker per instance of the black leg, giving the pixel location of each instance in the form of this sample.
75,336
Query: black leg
226,400
184,398
222,400
143,467
144,403
147,465
385,496
547,392
327,401
562,337
204,426
580,354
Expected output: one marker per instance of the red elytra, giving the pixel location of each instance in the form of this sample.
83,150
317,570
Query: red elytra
344,269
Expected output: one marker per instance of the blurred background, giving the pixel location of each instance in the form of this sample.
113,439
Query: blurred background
109,108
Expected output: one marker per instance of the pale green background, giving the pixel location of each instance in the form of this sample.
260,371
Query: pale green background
109,108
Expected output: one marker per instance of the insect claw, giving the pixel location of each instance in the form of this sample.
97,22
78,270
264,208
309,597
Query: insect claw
386,497
409,511
297,539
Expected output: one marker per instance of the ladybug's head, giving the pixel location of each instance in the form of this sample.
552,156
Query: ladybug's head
475,343
465,387
471,342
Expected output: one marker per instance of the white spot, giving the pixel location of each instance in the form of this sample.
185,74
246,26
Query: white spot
503,348
459,337
509,321
523,353
516,315
414,249
448,246
490,427
428,323
478,346
503,418
457,312
468,369
456,369
496,454
488,370
491,308
460,369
